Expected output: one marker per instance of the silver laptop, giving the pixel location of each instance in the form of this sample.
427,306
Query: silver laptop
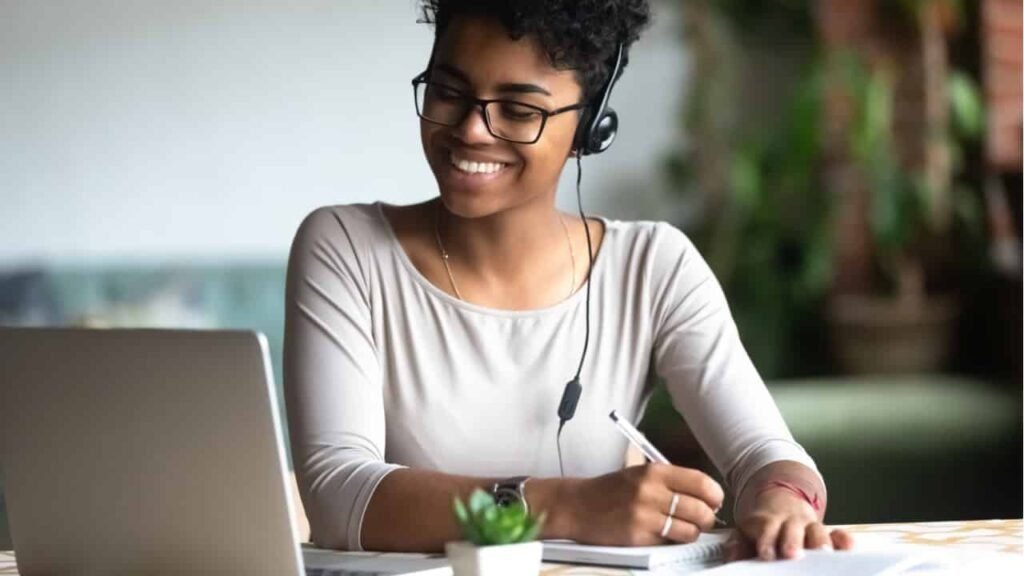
143,451
152,452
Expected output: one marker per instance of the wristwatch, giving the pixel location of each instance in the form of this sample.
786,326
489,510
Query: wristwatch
511,490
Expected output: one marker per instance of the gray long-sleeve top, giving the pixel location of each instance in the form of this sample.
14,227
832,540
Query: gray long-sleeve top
384,370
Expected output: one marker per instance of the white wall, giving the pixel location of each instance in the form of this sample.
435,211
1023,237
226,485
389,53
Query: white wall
198,129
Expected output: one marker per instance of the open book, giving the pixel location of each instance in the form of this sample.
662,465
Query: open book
707,550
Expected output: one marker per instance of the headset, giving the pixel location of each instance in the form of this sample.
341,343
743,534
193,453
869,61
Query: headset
599,123
595,133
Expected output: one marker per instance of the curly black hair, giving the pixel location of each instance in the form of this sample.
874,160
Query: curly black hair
578,35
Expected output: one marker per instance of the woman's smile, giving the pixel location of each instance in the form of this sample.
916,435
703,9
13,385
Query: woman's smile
472,171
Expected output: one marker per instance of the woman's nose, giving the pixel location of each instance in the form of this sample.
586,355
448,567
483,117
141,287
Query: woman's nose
473,127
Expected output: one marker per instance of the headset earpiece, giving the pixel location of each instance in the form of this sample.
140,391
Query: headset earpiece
603,133
599,123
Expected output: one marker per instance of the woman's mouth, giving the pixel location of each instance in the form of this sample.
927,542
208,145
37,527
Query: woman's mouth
483,170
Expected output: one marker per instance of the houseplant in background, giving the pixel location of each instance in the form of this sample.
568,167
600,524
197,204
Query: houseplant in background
905,115
821,173
500,540
748,168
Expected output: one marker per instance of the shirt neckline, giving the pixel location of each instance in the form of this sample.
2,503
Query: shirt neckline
574,300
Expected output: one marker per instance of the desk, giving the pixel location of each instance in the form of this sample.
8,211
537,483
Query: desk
1006,536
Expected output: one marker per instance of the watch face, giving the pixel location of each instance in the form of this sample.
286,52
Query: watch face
505,496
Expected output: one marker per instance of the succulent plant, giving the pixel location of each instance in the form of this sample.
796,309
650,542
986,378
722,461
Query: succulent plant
484,523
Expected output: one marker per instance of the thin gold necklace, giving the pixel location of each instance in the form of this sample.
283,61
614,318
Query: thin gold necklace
448,268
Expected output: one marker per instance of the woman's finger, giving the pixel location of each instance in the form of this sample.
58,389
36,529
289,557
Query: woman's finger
694,483
688,509
817,537
738,547
766,539
791,539
679,531
841,540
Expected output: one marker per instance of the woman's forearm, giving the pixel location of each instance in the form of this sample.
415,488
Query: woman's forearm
784,472
411,510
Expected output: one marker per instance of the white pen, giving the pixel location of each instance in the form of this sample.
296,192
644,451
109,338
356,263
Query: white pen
644,445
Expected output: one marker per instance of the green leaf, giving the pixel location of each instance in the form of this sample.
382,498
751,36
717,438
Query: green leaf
465,522
745,178
494,533
461,514
489,515
532,529
516,513
485,523
965,104
473,534
480,502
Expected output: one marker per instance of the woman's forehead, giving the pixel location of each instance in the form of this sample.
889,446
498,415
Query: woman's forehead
481,51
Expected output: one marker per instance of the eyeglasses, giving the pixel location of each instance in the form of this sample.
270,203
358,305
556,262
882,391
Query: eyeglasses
507,120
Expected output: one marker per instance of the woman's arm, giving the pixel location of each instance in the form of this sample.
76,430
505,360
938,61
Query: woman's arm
332,378
411,510
781,512
716,387
794,478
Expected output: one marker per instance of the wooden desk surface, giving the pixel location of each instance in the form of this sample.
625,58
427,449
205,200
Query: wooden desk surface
1005,536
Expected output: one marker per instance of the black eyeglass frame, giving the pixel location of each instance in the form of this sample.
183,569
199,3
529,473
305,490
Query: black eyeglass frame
482,103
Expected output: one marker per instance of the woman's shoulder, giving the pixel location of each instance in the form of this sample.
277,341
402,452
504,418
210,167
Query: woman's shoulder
343,231
648,239
357,224
365,217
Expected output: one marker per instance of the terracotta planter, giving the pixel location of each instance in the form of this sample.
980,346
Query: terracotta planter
873,334
469,559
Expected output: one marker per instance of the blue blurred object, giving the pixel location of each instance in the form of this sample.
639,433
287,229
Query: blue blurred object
246,296
27,299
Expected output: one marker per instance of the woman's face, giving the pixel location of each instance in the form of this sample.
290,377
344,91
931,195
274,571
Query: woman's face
476,56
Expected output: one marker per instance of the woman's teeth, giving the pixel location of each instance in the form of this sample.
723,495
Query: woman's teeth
476,167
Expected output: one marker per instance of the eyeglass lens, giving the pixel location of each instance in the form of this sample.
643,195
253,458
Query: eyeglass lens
505,119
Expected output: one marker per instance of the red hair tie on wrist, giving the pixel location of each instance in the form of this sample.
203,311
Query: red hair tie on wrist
813,501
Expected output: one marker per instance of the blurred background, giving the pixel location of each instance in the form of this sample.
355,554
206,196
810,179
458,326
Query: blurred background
851,169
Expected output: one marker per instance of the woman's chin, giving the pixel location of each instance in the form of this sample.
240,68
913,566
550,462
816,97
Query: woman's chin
473,196
464,205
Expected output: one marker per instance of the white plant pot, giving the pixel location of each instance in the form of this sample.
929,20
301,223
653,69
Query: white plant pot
506,560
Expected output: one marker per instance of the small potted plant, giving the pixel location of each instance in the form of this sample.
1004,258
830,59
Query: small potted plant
498,540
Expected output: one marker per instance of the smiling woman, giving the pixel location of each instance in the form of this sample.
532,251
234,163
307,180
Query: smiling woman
427,346
485,97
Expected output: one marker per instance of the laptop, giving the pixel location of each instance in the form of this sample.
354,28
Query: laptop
150,451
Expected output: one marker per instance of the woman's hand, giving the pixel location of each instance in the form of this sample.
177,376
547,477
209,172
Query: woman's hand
630,507
781,525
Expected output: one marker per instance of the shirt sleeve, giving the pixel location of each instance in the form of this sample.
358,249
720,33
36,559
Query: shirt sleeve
710,377
332,380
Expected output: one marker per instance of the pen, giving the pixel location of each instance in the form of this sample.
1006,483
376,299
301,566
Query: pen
644,445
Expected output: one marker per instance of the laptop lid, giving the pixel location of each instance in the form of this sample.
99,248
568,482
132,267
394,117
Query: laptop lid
143,451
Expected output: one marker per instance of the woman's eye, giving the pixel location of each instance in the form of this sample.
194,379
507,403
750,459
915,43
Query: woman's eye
518,112
447,94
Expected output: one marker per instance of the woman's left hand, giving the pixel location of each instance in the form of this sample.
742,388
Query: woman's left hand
782,525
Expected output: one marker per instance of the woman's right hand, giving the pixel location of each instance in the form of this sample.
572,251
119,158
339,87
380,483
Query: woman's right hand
629,507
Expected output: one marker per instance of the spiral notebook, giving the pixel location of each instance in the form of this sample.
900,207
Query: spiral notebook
708,550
